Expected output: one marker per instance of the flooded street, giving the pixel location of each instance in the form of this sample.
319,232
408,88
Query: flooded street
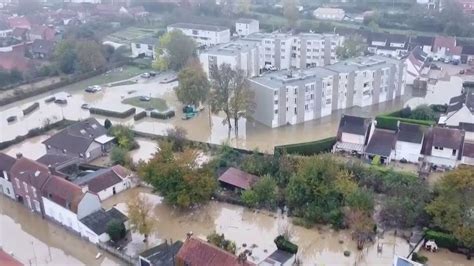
321,247
35,241
251,134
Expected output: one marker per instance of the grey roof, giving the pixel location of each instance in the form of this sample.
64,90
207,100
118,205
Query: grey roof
77,137
163,254
147,40
98,220
469,127
468,149
42,46
246,20
99,180
54,160
410,133
277,79
198,27
6,162
362,63
232,48
447,138
381,143
354,125
388,39
281,256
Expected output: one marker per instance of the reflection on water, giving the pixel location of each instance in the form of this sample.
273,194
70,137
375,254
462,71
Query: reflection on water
35,241
204,127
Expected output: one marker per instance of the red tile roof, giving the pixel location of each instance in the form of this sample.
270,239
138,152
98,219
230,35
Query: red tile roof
238,178
14,60
19,22
444,41
196,252
7,260
63,192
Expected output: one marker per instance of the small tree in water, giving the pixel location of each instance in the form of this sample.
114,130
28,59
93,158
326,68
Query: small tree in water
220,241
140,215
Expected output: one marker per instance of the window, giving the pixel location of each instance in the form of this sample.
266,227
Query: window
34,191
296,91
275,93
150,47
454,152
276,101
195,32
137,45
276,111
295,100
25,186
17,182
296,111
306,107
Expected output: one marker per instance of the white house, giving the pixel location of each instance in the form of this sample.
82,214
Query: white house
393,45
381,143
415,63
144,47
353,134
245,26
95,224
107,182
443,147
409,142
6,163
66,203
460,110
327,13
468,146
203,35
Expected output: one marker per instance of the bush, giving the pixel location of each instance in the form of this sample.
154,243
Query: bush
31,108
443,240
283,244
108,113
120,156
139,116
107,124
308,148
163,115
116,230
419,258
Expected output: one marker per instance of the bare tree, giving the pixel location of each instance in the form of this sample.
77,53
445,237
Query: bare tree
139,214
241,102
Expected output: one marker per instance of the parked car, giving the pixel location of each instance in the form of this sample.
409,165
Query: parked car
153,73
60,101
93,89
270,67
85,106
145,75
11,119
144,98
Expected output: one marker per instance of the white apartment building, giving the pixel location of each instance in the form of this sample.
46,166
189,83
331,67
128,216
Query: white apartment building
144,47
245,26
291,97
241,54
327,13
204,35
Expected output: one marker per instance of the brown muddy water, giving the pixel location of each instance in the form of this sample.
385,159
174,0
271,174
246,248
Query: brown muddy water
317,247
201,128
35,241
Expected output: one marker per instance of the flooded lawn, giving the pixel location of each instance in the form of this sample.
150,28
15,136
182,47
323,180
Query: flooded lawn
321,247
32,148
35,241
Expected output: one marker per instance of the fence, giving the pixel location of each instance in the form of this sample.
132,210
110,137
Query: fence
124,257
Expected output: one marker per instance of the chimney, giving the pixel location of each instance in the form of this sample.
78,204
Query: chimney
189,235
19,155
85,188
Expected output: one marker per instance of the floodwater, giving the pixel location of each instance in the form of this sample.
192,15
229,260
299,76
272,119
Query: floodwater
204,127
35,241
439,93
321,247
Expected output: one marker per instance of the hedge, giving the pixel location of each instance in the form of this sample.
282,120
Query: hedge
443,240
285,245
31,108
139,116
389,122
162,115
108,113
308,148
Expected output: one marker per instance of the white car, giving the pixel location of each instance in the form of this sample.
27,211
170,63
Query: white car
94,89
270,67
145,75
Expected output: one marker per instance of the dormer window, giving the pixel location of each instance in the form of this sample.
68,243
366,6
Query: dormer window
454,152
48,147
68,205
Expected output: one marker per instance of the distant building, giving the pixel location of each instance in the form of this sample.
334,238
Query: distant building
144,47
326,13
6,164
460,110
41,32
161,255
245,26
353,134
42,49
292,97
393,45
203,35
445,47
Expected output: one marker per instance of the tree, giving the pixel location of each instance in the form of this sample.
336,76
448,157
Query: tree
116,230
193,84
241,101
65,57
423,112
361,224
263,193
244,6
220,241
353,46
120,156
107,124
140,215
124,137
174,50
452,208
90,57
178,136
290,11
177,177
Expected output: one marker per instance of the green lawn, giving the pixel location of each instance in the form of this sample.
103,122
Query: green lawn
154,103
126,35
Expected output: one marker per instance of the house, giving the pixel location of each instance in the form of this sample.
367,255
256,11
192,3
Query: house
197,252
467,156
442,146
416,63
6,164
409,142
446,47
393,45
237,179
28,178
162,255
66,203
41,32
425,43
8,260
21,34
144,47
19,22
106,182
460,110
467,54
467,6
327,13
138,12
381,143
42,49
86,140
353,134
60,163
96,224
203,35
279,258
245,26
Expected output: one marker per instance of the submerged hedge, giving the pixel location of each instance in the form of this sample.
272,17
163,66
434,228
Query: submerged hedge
31,108
285,245
103,112
139,116
308,148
